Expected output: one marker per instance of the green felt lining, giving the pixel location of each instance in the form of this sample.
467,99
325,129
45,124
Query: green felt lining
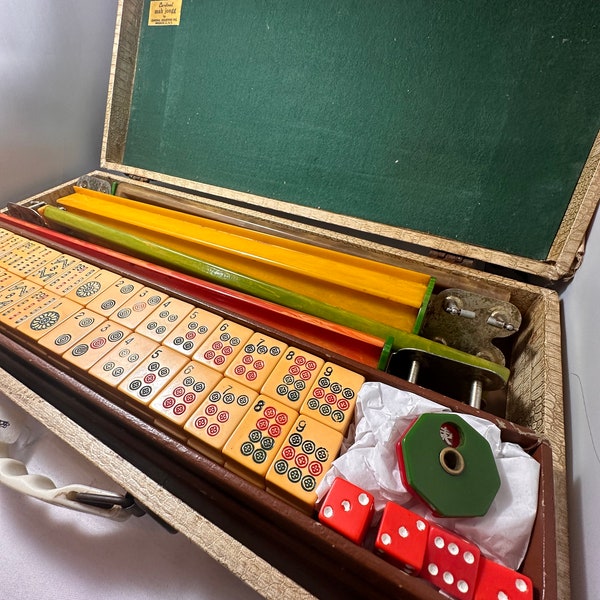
468,120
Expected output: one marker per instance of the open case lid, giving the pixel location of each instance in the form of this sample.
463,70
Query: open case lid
470,130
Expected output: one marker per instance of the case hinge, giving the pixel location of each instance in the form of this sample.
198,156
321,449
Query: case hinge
455,259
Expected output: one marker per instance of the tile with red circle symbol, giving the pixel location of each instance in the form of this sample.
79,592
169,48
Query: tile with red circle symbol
255,362
451,563
52,269
223,345
94,345
217,417
257,439
122,359
25,259
18,312
92,287
71,278
192,331
39,324
114,296
165,317
151,376
184,393
332,398
302,461
71,330
7,279
292,377
138,307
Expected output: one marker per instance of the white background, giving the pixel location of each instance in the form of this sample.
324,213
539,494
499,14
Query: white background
54,64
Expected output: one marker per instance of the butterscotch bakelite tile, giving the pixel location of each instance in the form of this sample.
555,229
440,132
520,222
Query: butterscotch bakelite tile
256,440
185,392
165,317
114,296
92,287
223,345
218,416
302,461
138,307
192,331
152,374
255,362
71,330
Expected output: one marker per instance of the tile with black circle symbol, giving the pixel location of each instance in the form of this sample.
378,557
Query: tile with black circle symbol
7,279
96,344
164,319
216,418
332,398
192,331
92,287
123,359
223,345
114,296
257,439
153,374
16,292
138,307
26,259
5,237
302,461
71,330
31,305
257,359
184,393
292,377
72,278
52,269
38,325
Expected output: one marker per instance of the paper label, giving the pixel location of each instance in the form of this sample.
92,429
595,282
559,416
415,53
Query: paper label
164,12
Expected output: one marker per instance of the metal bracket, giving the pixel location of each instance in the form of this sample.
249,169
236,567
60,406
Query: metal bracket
469,322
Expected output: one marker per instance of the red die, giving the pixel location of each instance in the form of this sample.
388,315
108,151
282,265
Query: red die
402,538
451,563
501,583
348,510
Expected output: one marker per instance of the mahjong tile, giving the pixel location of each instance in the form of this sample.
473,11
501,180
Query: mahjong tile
16,292
257,439
217,417
114,296
7,279
26,259
257,359
124,358
71,330
55,267
20,311
149,378
302,461
222,346
72,278
93,286
184,393
192,331
38,325
138,307
97,343
10,244
332,398
164,319
293,376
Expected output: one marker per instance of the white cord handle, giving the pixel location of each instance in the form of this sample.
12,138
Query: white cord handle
14,475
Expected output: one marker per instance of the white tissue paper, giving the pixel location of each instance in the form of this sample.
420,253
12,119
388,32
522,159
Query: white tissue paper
369,461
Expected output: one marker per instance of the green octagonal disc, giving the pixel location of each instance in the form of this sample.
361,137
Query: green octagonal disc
448,465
